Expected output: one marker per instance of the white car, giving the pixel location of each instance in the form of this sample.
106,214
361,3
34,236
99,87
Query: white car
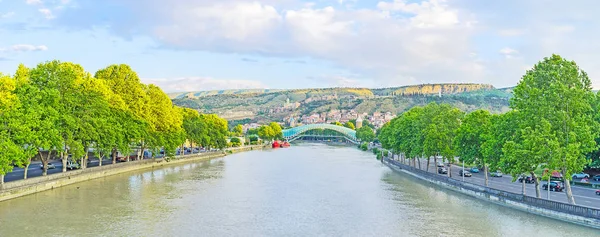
50,166
581,176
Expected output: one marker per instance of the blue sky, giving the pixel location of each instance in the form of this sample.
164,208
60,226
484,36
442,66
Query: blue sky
189,45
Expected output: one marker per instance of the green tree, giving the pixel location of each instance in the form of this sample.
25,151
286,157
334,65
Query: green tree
266,133
277,131
238,130
236,142
556,95
439,135
470,137
349,125
365,134
337,123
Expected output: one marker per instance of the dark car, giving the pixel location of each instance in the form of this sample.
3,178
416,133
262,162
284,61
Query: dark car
596,177
527,179
442,170
598,192
554,186
466,173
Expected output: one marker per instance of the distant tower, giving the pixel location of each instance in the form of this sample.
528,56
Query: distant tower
440,93
287,102
359,121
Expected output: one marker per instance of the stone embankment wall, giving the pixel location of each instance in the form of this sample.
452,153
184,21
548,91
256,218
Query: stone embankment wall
557,210
28,186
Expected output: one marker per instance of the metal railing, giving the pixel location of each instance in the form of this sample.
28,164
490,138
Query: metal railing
505,195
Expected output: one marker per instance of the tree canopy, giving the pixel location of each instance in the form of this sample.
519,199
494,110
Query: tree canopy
59,108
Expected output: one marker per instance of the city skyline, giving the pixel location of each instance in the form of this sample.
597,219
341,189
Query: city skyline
289,44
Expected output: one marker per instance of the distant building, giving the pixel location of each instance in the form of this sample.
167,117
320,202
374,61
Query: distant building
359,121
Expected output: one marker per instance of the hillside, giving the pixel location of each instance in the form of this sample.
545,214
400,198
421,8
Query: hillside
268,105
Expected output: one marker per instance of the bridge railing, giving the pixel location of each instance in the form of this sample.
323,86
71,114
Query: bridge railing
501,194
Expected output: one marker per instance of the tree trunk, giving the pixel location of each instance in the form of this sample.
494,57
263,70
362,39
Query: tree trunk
1,181
26,168
142,149
428,158
568,190
100,158
114,156
485,174
523,187
435,160
449,170
538,193
82,161
65,156
45,162
419,161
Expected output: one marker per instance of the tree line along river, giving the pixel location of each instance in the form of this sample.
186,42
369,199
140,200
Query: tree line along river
306,190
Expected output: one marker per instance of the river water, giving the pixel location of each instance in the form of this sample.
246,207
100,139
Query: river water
305,190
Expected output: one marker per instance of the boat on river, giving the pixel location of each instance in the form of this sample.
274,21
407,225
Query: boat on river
276,144
285,144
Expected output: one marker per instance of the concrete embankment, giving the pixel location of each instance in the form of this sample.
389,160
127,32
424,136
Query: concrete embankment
21,188
560,211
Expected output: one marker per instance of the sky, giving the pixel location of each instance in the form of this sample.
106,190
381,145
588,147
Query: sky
194,45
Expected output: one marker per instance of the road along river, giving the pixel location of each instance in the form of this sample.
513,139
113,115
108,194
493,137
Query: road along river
305,190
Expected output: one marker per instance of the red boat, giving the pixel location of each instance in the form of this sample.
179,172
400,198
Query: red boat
285,144
276,144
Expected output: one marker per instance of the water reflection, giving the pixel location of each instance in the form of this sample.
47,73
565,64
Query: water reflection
306,190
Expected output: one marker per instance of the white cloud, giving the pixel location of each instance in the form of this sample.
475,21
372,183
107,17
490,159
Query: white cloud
47,13
34,2
508,52
391,41
203,84
27,48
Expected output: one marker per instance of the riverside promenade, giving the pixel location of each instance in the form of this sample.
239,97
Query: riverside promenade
582,215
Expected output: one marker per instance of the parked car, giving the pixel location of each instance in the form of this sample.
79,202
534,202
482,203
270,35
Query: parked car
496,174
466,173
554,186
474,170
440,164
581,175
71,165
442,170
527,179
598,192
596,177
50,166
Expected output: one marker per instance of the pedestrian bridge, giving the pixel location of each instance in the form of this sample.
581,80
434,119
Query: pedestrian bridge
304,130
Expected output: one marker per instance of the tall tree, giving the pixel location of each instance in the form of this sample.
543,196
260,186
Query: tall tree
470,137
558,93
238,130
441,132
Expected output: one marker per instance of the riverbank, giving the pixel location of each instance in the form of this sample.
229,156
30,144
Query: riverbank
21,188
560,211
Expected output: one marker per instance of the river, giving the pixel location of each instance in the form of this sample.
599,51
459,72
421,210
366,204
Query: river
305,190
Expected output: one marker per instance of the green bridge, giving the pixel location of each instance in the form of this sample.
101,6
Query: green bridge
304,131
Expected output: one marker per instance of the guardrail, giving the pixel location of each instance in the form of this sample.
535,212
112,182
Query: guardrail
501,194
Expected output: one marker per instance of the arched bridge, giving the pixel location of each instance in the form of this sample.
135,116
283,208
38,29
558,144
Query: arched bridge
300,131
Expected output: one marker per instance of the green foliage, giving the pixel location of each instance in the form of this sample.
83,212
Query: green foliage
59,107
238,130
557,118
365,134
235,142
364,146
349,125
471,135
277,131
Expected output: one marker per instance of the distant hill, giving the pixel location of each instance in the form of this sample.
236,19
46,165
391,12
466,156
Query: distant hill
276,104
